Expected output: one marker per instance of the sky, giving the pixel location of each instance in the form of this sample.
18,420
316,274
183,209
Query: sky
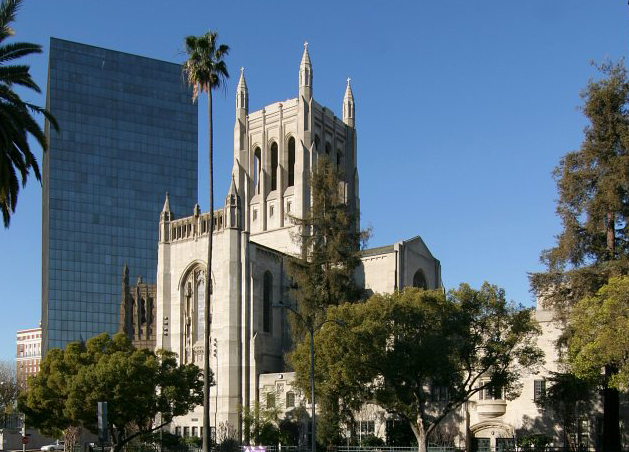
463,109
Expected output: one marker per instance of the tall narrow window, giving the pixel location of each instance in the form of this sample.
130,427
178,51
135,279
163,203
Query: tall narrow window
291,161
317,143
328,148
539,390
257,163
274,166
339,159
267,302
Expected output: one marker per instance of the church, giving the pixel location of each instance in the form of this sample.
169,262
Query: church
275,149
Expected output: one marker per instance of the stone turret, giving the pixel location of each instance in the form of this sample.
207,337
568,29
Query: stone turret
242,96
305,75
165,217
232,207
348,105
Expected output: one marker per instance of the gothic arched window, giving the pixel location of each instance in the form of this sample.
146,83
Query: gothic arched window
419,279
257,164
267,302
274,166
192,314
291,161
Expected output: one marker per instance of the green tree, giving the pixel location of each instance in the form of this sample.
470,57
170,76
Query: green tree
593,204
330,242
138,385
599,334
16,122
323,275
206,70
10,386
386,354
260,425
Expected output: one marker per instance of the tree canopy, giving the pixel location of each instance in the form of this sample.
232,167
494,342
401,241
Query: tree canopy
10,386
387,354
323,275
600,324
139,386
330,242
593,204
16,122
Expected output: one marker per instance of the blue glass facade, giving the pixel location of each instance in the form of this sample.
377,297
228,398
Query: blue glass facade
128,134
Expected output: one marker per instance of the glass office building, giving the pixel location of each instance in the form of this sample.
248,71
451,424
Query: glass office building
128,135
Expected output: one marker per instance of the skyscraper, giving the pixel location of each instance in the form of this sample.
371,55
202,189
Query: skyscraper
128,135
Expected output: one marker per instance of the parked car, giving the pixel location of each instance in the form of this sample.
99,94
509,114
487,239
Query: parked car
59,445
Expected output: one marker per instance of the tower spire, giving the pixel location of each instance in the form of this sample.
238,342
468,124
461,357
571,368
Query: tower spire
348,105
166,204
305,74
165,217
242,93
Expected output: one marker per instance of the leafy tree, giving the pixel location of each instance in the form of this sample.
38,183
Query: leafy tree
569,398
206,70
386,355
600,324
330,241
260,425
10,386
137,384
324,274
16,122
593,204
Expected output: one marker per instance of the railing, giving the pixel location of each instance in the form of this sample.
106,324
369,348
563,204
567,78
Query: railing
360,449
194,226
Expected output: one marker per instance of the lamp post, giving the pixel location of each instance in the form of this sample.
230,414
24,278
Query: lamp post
312,329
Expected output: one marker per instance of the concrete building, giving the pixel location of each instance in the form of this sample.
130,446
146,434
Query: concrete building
275,149
29,353
128,134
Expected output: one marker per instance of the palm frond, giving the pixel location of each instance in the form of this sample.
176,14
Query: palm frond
17,50
16,116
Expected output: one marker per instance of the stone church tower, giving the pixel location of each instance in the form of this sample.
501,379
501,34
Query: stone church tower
275,150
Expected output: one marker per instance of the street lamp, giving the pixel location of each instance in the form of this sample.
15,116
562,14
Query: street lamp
312,329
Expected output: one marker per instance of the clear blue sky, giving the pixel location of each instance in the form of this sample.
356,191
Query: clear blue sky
463,109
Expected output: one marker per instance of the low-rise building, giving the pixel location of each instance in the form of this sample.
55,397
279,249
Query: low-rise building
28,355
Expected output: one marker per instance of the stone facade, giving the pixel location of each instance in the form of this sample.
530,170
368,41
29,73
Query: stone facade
275,149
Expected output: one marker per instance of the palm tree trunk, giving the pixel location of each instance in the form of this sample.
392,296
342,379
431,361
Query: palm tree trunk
208,292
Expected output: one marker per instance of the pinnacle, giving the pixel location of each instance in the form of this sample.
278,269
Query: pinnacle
166,204
305,59
348,91
242,83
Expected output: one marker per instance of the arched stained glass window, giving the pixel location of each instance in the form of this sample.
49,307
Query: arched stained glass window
274,166
257,164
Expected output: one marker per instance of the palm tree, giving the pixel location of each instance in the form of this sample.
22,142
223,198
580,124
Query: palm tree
16,121
206,70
